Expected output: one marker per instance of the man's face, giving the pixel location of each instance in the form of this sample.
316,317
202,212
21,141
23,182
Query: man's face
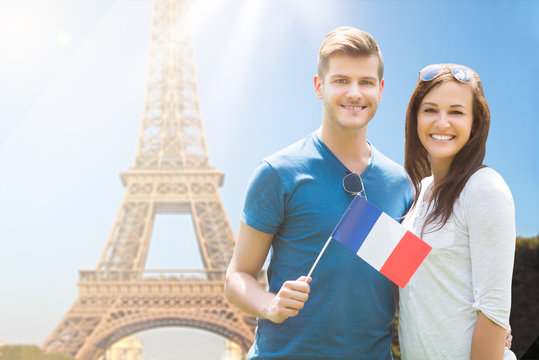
350,91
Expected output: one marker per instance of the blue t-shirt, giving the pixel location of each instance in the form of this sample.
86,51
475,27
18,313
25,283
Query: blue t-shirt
297,194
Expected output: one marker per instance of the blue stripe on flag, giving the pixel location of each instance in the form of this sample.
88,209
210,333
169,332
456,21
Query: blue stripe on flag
356,223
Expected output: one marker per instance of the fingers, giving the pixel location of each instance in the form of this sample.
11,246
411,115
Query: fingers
508,338
301,284
288,306
289,300
508,341
296,290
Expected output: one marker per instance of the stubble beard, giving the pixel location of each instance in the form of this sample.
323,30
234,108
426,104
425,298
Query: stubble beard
332,116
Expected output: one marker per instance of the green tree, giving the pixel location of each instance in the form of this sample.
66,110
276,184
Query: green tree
57,357
20,352
28,352
395,347
525,292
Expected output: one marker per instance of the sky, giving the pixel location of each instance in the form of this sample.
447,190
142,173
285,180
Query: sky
72,85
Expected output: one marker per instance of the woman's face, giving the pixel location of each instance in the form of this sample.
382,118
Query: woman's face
444,121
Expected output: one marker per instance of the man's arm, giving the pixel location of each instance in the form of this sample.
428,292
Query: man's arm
242,288
488,339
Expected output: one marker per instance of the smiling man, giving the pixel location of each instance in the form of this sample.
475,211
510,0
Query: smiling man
296,198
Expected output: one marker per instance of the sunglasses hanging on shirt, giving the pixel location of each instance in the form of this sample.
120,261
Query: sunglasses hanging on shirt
352,184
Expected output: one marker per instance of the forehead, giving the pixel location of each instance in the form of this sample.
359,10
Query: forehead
353,66
450,93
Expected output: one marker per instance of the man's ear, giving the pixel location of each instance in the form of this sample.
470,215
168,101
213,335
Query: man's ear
382,83
318,86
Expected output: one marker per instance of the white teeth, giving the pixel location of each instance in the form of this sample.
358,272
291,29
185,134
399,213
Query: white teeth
442,137
354,107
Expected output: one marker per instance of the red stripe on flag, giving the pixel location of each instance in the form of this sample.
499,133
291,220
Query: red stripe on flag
405,259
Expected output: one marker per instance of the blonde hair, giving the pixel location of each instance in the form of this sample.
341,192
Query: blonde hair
350,41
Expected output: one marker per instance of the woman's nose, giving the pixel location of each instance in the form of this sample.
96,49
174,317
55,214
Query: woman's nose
442,121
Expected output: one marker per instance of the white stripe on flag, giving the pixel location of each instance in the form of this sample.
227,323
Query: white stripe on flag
382,239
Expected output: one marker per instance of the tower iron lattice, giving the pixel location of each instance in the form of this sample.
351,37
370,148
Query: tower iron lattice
171,175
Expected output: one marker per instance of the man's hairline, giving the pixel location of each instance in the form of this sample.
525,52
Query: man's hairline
340,53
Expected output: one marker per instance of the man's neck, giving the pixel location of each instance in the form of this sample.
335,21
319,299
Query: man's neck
349,146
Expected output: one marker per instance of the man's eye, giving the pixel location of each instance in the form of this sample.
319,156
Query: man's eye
340,81
366,82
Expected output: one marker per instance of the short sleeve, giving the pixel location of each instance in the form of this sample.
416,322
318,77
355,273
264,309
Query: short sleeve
491,225
263,208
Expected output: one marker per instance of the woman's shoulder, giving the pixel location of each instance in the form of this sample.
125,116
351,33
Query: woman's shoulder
486,179
487,185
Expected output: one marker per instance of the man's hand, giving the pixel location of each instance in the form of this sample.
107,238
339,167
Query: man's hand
243,289
508,338
289,300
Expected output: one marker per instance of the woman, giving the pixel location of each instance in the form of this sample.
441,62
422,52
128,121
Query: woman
456,306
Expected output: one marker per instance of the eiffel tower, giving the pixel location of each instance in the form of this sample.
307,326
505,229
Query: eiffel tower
171,174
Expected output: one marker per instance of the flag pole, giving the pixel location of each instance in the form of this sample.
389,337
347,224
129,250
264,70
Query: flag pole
329,239
318,258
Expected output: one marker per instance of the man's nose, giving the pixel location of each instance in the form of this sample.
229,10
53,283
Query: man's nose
354,91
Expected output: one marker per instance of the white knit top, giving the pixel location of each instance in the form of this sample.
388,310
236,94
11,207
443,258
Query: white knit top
469,269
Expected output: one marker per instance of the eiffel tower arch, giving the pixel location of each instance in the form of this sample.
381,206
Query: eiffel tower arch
171,175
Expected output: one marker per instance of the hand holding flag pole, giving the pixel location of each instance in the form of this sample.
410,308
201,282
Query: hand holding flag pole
379,240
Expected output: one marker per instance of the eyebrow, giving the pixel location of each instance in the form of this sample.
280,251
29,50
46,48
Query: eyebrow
374,78
433,104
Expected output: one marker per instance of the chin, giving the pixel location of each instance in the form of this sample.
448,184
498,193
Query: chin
354,124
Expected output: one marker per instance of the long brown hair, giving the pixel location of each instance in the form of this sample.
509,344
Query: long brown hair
467,161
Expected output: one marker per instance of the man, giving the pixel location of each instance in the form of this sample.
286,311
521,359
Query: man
294,201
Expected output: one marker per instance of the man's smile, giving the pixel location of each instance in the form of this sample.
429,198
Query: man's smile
354,107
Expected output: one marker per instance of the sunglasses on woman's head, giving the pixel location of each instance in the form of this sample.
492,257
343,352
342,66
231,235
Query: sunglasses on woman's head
352,184
460,72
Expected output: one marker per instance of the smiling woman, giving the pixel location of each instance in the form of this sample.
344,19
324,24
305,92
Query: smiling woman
444,123
465,211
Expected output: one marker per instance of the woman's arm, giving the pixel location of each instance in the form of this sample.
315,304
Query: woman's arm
491,229
488,339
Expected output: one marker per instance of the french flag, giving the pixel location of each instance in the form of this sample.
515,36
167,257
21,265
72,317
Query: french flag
381,241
